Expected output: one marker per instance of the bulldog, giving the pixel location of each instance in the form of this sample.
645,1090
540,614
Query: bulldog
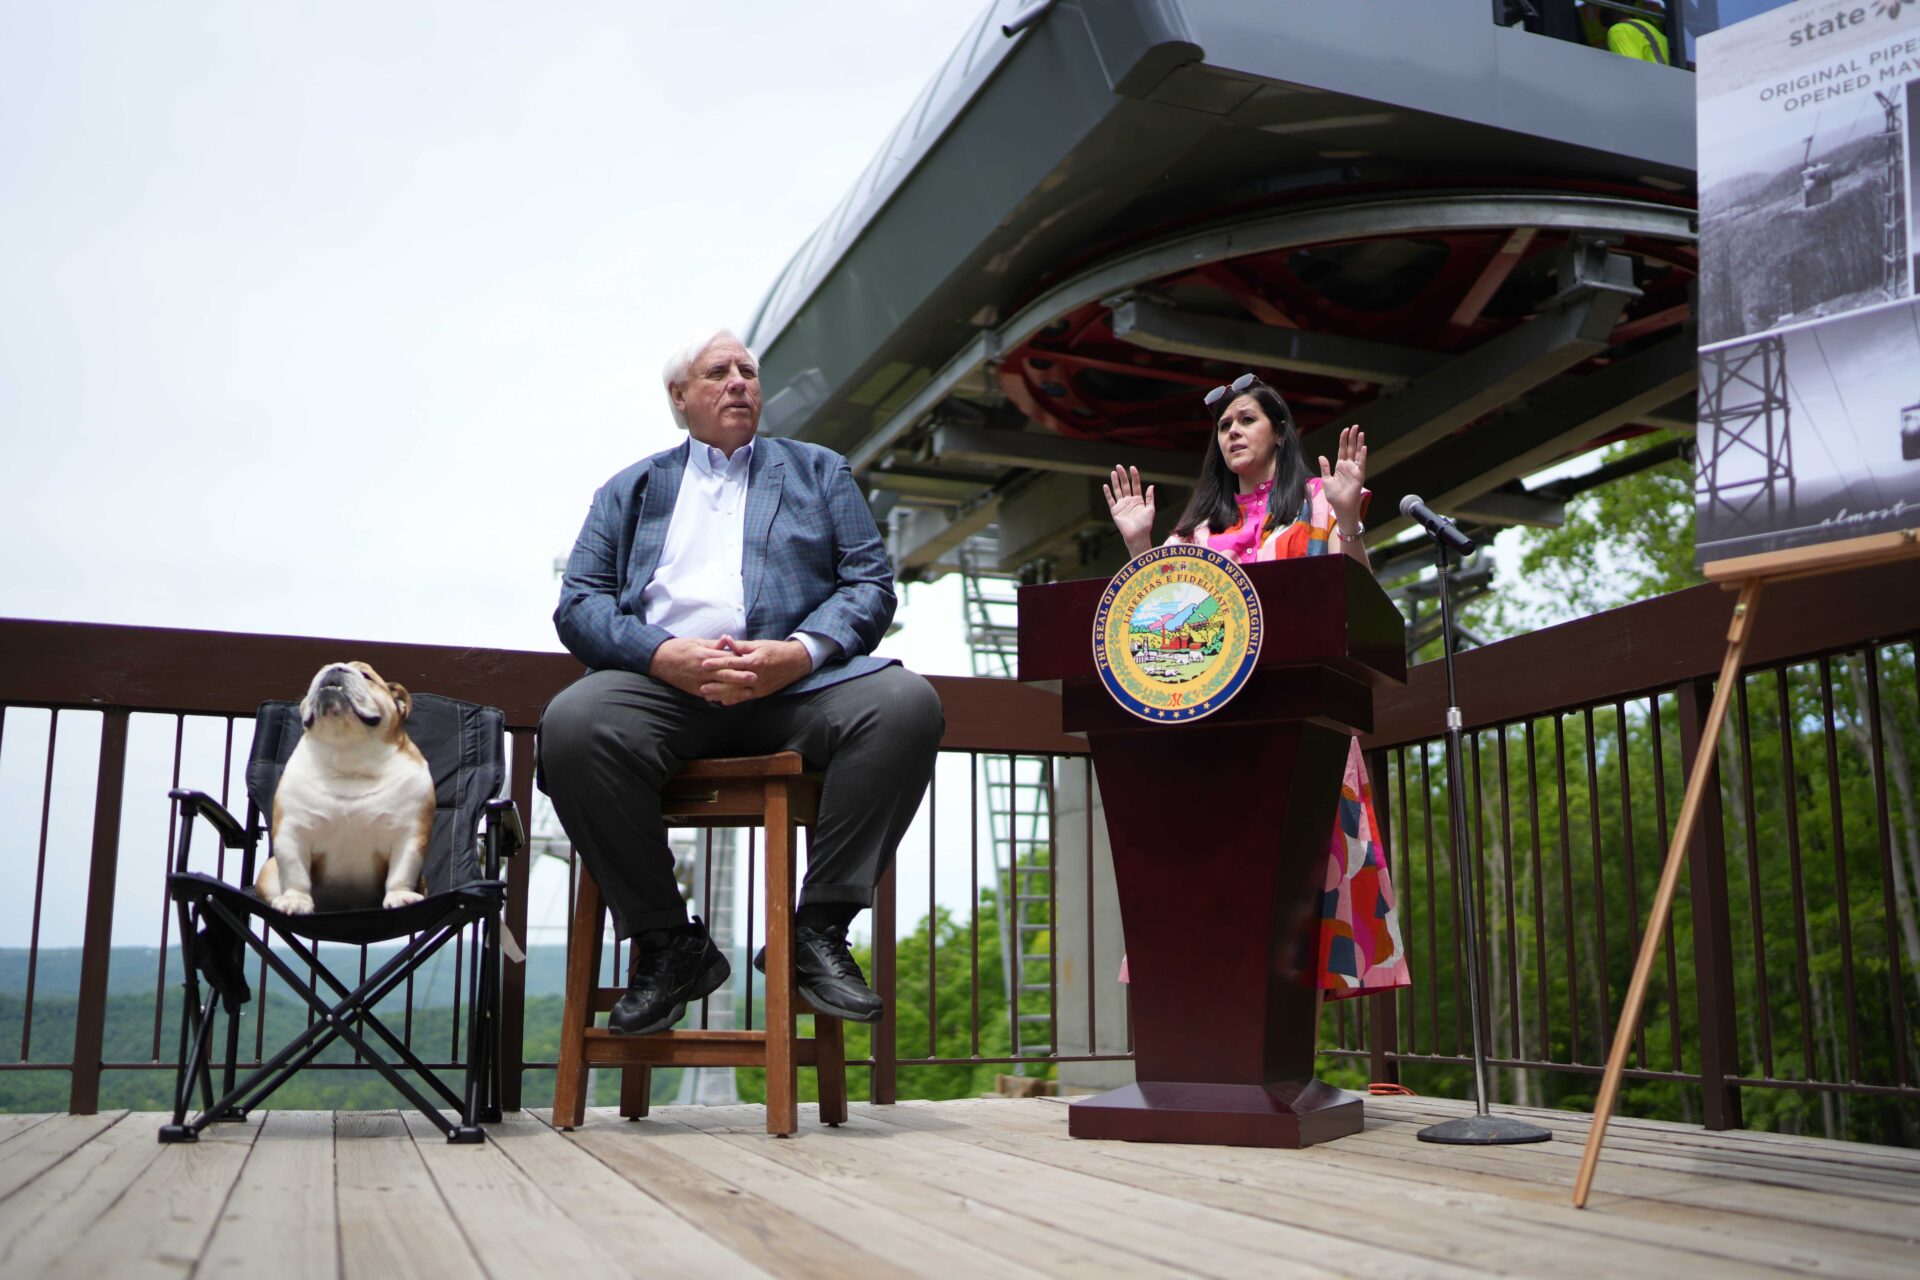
354,810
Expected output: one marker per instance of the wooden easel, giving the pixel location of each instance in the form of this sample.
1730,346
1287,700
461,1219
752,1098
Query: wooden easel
1747,574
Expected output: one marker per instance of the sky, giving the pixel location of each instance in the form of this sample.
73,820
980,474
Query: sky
294,291
296,288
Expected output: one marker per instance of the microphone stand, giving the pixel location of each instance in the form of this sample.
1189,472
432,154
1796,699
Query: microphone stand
1481,1128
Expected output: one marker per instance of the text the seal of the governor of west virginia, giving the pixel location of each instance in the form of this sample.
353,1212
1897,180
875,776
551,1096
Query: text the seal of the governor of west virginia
1177,633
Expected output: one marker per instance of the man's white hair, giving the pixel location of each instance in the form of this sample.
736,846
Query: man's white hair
679,366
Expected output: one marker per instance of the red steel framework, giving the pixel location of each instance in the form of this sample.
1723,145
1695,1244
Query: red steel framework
1444,296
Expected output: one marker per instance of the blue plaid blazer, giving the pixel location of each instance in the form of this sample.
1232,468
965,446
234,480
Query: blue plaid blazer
813,561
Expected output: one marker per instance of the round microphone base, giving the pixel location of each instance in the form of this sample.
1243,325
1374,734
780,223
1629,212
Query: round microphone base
1483,1131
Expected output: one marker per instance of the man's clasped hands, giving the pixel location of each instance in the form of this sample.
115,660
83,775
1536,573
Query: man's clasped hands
728,671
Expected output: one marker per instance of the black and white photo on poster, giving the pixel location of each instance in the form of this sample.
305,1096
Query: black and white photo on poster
1809,401
1810,435
1805,173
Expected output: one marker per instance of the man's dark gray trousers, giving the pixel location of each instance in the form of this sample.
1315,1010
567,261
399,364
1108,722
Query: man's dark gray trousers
610,741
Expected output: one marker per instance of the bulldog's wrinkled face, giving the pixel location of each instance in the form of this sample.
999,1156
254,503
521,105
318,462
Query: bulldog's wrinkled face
352,697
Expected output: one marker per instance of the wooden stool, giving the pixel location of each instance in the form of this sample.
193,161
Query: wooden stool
774,791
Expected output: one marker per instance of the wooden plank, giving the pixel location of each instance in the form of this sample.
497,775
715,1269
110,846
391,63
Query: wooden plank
967,1186
165,669
1649,1152
1434,1203
862,1158
43,1146
1649,1179
513,1226
688,1048
1634,1202
830,1060
1647,1212
766,1235
1828,557
1790,1148
159,1226
1177,1233
609,1208
1824,1151
1436,1229
843,1208
40,1222
1782,1168
783,1076
999,715
15,1123
1823,1154
394,1220
778,764
576,1014
283,1207
96,937
1423,1110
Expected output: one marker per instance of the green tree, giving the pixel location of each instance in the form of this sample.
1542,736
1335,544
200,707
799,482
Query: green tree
934,988
1626,541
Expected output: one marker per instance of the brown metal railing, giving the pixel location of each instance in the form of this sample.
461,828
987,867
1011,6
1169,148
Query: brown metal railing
184,684
1788,970
1800,896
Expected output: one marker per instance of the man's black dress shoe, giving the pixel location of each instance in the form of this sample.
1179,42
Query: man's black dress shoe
828,975
663,979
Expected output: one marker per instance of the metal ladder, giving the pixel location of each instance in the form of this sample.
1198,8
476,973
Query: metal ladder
993,632
1019,823
1021,820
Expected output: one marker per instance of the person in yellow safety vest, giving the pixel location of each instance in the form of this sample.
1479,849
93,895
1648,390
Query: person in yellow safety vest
1627,35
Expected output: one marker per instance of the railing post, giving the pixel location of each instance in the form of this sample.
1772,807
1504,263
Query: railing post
96,947
1712,935
1383,1021
1383,1039
885,1089
513,985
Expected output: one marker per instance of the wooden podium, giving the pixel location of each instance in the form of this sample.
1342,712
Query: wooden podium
1219,830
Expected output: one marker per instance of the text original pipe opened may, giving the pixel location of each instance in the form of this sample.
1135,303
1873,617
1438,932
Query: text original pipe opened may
1893,64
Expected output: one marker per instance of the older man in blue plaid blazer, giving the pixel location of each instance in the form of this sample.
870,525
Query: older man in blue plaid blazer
728,594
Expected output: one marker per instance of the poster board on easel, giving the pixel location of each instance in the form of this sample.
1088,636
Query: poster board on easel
1808,446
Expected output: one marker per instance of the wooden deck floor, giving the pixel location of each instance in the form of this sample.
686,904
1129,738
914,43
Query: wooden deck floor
992,1187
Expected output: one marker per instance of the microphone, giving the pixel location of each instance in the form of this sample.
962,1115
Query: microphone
1438,525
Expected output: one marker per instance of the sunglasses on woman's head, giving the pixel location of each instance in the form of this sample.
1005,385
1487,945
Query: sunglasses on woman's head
1239,385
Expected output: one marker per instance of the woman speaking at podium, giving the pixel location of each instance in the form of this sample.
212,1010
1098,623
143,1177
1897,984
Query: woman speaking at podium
1256,501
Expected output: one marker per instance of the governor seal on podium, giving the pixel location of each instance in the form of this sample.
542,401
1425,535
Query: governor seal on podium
1177,633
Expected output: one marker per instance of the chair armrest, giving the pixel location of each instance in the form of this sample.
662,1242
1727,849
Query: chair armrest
505,814
232,834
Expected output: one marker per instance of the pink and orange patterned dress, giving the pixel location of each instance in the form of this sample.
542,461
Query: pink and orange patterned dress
1360,947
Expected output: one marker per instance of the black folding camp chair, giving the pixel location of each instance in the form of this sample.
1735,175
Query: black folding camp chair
464,748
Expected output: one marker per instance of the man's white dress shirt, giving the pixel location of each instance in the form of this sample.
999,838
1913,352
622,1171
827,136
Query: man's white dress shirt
697,589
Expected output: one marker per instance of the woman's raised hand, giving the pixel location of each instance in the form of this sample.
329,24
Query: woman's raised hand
1131,506
1344,480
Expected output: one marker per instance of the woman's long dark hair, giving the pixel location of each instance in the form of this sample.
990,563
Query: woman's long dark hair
1213,497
